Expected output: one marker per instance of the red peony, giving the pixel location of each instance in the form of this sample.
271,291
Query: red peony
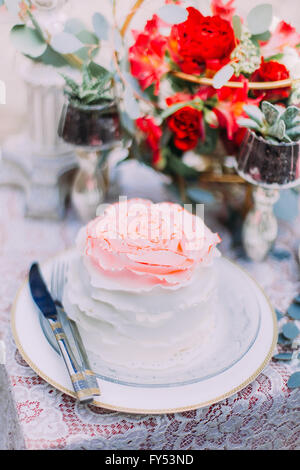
187,126
271,71
146,56
201,39
153,135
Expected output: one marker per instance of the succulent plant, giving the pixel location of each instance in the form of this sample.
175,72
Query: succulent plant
275,123
95,87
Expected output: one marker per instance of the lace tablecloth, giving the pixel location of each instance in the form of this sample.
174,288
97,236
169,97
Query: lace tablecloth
264,415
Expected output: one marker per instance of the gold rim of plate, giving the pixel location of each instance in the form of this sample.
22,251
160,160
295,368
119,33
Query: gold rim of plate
150,411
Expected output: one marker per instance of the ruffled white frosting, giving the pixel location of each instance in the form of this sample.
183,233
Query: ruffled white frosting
140,324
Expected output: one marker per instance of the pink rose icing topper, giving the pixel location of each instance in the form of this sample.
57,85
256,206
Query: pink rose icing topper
162,242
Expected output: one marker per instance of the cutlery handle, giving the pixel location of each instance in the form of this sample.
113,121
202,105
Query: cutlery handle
79,382
83,357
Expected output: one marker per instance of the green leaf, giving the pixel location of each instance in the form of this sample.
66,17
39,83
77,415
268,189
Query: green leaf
51,57
283,356
278,130
262,37
172,14
222,76
289,116
254,113
87,37
176,165
101,26
27,41
201,196
249,123
65,43
290,331
294,380
237,26
74,87
294,133
270,111
260,18
130,103
98,71
294,311
74,26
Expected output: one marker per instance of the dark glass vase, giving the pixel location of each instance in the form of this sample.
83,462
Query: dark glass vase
267,164
95,126
94,131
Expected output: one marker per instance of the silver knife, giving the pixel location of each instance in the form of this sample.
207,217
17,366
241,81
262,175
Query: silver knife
45,303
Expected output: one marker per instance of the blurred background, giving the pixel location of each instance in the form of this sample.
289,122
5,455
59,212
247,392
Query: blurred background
13,113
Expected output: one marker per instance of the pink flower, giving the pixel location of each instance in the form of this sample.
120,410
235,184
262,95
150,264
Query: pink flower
146,56
283,36
157,243
224,10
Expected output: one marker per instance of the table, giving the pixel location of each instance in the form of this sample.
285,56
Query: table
264,415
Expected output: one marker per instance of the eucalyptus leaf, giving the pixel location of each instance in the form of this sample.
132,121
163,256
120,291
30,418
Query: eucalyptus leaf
127,123
66,43
282,340
294,380
294,311
101,26
27,40
51,57
130,103
222,76
297,299
117,40
87,37
74,26
283,356
237,26
262,37
279,314
260,18
172,14
290,331
199,195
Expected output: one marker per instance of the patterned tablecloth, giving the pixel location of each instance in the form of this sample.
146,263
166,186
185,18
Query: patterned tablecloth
264,415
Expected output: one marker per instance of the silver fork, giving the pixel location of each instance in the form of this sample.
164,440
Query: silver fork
58,280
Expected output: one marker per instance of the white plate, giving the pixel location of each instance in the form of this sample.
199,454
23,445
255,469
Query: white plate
235,358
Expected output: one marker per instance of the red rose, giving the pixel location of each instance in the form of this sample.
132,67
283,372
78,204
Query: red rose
187,125
271,72
200,39
153,135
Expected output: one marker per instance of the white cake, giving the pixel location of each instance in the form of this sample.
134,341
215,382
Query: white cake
142,286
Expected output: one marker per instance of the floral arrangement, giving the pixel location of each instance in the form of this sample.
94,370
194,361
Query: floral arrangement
198,72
